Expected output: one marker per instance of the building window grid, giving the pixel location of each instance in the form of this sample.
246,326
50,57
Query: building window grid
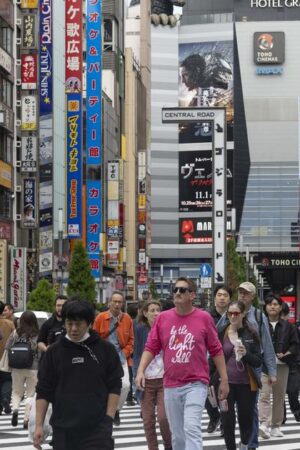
6,37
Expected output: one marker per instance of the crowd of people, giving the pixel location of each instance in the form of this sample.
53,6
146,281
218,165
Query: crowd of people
236,360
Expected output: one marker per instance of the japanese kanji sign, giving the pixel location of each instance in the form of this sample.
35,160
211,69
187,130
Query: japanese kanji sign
29,112
29,71
29,203
73,51
28,32
29,153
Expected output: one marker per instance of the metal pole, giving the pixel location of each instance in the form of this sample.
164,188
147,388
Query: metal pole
162,281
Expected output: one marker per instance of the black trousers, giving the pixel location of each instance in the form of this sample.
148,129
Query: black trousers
5,387
244,398
98,438
293,388
212,412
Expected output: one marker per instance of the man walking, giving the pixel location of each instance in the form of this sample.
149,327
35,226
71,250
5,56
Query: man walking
81,376
6,328
117,327
53,327
185,334
247,294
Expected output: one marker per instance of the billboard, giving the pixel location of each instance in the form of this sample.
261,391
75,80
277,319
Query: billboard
195,180
73,44
28,36
18,277
197,230
29,215
3,270
205,80
28,71
94,213
269,47
28,113
28,153
74,165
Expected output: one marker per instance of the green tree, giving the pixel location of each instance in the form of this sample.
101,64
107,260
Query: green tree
153,290
236,267
42,297
81,281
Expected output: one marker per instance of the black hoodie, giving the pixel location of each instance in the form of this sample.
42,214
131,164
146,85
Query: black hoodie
77,380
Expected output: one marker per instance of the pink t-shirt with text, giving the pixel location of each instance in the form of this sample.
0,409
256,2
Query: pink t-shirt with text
185,341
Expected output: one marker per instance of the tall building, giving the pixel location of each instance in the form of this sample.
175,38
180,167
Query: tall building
243,55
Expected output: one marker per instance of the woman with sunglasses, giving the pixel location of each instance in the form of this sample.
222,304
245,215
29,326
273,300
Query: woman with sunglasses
152,398
242,355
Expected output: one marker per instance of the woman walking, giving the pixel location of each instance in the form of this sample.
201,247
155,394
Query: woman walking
152,397
242,355
285,342
24,379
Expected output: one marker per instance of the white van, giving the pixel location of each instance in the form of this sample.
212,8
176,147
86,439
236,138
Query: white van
41,316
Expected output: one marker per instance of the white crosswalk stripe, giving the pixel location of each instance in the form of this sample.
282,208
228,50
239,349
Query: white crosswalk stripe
130,434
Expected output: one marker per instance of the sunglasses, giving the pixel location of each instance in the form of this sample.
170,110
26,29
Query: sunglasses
181,290
233,313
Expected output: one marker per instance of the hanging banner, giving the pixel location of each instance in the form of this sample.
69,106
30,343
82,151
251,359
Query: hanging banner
29,219
3,270
45,60
28,71
28,33
18,277
28,154
93,225
74,164
73,46
28,113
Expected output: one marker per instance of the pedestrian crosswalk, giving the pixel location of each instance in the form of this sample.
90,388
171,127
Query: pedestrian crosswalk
130,434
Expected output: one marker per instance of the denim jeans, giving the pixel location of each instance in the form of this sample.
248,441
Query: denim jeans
184,406
253,442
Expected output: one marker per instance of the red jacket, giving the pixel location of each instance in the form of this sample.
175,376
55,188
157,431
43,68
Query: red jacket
124,332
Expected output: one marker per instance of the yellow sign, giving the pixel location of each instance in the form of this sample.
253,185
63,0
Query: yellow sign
142,201
29,4
5,175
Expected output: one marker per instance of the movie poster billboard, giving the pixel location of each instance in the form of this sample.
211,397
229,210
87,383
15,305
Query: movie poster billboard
29,71
28,32
74,165
29,217
28,153
205,80
195,180
18,278
73,44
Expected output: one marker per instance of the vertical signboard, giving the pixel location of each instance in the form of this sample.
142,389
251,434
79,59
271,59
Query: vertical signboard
28,153
28,113
3,270
18,277
46,123
73,46
29,219
74,164
93,129
28,36
28,71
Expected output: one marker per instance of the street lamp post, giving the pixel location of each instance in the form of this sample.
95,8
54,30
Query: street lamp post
162,281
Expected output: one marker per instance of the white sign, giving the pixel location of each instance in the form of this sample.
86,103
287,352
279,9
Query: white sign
18,277
5,61
113,170
3,270
205,283
175,115
29,154
113,247
45,262
29,112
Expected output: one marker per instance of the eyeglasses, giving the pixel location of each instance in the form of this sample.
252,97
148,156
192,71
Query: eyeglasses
233,313
181,290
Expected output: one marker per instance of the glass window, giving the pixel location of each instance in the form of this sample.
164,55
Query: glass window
6,91
5,203
108,44
6,36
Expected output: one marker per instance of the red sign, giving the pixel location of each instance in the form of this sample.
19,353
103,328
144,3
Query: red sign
73,45
291,302
29,71
5,231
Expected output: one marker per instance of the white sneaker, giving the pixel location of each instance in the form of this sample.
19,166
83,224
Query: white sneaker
264,431
275,432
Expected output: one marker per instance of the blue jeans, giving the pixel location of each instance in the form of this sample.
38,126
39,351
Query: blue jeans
184,406
253,443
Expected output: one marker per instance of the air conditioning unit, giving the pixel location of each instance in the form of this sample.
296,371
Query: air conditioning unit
18,188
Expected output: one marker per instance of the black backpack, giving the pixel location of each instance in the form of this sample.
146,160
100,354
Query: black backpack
20,355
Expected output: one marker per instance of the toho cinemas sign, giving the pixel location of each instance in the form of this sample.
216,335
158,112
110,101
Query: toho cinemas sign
278,261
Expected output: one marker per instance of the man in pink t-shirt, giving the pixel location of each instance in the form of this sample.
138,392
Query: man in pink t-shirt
185,334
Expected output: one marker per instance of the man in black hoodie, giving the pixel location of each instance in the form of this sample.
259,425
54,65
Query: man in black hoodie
81,376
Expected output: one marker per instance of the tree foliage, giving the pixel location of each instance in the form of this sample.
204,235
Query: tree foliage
153,290
81,281
236,268
42,297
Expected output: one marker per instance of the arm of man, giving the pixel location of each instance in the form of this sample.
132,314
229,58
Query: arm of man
268,349
43,337
144,363
128,348
41,410
112,405
219,362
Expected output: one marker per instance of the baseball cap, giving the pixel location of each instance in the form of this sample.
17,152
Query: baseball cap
248,286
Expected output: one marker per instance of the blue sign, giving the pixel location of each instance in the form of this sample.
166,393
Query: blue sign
45,57
205,270
94,225
74,164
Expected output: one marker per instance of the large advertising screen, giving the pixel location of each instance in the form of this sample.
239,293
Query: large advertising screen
205,80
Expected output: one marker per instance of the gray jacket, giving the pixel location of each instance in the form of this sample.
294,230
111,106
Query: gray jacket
269,356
